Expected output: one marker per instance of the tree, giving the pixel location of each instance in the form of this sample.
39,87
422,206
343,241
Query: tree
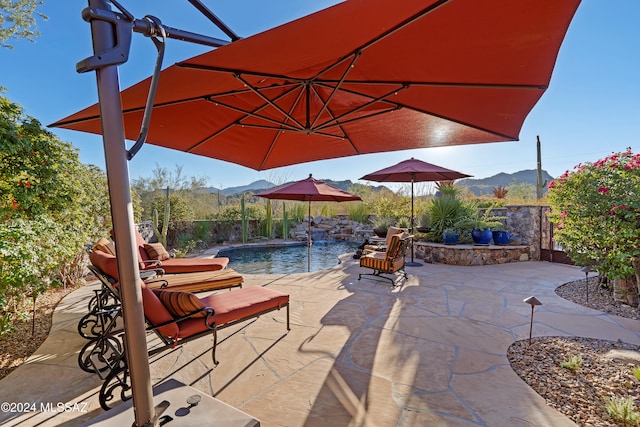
17,20
597,210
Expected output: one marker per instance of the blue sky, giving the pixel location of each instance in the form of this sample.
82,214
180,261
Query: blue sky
591,108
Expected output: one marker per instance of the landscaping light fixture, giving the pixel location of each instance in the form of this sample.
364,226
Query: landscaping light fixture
533,301
586,271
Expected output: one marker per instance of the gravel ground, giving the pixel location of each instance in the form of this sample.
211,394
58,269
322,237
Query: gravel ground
604,372
579,394
25,338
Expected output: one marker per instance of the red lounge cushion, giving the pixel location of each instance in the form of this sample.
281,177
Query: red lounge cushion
105,262
234,305
190,265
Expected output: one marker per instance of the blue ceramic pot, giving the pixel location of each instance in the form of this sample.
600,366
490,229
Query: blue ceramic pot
501,237
450,238
481,237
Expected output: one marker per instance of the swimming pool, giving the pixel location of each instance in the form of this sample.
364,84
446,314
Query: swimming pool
286,259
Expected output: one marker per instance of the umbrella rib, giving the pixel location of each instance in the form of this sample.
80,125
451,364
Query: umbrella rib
437,84
440,116
237,122
253,113
404,23
267,100
294,130
277,135
394,106
335,89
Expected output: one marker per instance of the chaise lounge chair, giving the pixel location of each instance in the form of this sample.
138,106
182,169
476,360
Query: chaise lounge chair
176,318
104,266
154,255
389,262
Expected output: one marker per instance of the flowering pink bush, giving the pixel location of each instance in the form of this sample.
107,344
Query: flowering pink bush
598,207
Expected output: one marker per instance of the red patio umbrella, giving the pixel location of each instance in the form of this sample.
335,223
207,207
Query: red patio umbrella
402,75
309,190
414,170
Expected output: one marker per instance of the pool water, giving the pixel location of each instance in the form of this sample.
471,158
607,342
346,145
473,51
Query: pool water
287,259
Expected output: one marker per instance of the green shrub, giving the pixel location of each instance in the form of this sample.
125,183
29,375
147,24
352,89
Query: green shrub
636,372
202,230
621,409
298,212
358,212
572,363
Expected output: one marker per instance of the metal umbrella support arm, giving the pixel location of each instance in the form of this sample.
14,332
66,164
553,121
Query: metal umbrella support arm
111,35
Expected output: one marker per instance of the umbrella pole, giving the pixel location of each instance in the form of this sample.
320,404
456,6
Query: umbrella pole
309,241
122,215
411,223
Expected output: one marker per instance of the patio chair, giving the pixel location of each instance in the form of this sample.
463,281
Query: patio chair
382,246
389,262
179,317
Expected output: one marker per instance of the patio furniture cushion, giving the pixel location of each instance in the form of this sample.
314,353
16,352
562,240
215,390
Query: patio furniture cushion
200,281
179,265
156,251
105,262
190,265
180,304
241,304
105,245
157,314
227,308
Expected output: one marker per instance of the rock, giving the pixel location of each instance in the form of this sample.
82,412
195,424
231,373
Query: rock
624,356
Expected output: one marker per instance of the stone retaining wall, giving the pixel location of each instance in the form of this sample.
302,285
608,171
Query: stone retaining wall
470,254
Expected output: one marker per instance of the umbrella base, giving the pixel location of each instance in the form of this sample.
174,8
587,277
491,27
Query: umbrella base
413,264
207,411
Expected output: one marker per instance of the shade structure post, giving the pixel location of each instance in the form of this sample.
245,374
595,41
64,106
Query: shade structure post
104,38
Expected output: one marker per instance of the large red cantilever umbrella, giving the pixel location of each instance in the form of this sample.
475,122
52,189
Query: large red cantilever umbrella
404,74
309,190
414,170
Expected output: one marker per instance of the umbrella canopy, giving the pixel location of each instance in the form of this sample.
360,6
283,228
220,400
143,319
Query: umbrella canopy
309,190
414,170
403,75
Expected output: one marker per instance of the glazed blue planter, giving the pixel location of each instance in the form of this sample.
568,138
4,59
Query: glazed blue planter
501,238
481,237
450,238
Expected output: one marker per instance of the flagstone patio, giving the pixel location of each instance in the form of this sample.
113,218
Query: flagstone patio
429,352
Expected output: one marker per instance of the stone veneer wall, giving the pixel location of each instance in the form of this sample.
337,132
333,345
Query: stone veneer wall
525,223
470,254
528,226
